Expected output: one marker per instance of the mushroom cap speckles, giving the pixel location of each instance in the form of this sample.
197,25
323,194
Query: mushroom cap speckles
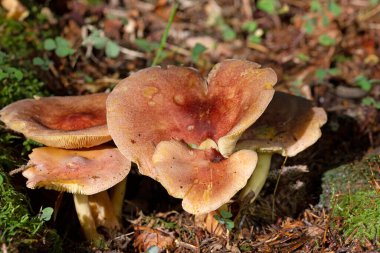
87,171
65,122
155,104
203,178
288,126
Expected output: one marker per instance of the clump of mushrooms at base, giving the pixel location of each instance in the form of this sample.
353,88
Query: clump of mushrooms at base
203,140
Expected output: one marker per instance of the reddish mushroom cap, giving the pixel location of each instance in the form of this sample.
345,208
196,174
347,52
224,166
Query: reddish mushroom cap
86,171
64,122
289,125
203,178
156,104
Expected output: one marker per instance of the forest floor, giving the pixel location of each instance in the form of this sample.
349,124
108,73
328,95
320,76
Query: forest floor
325,51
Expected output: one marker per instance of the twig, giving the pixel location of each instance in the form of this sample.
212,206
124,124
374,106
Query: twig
275,188
21,169
186,245
165,34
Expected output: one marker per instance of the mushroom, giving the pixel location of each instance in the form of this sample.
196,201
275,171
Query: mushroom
70,122
204,179
86,173
154,113
289,125
63,122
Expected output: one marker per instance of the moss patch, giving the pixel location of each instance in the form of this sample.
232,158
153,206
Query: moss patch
351,193
18,228
20,43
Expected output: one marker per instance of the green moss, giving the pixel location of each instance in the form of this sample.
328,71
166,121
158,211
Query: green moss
353,200
18,228
349,178
20,42
360,214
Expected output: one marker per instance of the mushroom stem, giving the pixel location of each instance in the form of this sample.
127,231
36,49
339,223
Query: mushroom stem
257,180
86,220
102,211
117,194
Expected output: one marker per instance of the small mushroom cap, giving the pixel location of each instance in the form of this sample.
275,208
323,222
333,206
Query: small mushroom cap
76,171
157,104
289,125
64,122
203,178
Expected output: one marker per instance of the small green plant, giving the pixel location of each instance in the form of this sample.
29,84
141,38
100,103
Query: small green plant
225,219
303,57
99,41
370,101
197,51
309,25
364,83
254,32
228,33
147,46
321,74
269,6
326,40
43,63
315,6
60,46
334,8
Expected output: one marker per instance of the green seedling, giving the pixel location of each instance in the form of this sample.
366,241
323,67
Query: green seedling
364,83
60,46
43,63
303,57
147,46
254,33
228,33
322,74
334,8
197,52
309,25
225,219
370,101
99,41
269,6
326,40
315,6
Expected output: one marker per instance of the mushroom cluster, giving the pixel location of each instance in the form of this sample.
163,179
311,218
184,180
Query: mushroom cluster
73,129
203,140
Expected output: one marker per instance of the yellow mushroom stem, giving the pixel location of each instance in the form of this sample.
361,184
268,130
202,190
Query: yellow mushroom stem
102,211
117,194
93,211
86,219
258,177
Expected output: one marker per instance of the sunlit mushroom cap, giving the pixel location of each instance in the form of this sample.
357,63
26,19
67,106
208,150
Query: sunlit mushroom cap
289,125
65,122
203,178
86,171
157,104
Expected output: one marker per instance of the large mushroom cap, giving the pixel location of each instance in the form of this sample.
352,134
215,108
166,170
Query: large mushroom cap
64,122
203,178
77,171
289,125
157,104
